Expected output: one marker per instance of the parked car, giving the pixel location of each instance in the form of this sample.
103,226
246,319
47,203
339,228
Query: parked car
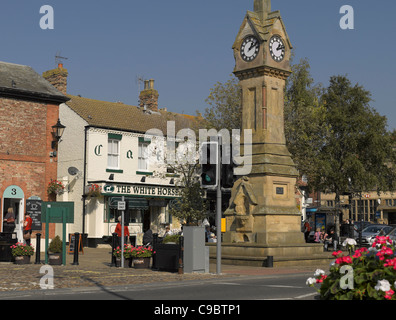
392,234
370,232
360,225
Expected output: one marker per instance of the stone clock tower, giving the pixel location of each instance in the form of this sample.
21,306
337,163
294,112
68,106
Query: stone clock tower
263,207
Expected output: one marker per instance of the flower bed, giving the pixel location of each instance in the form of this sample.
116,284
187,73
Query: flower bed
364,274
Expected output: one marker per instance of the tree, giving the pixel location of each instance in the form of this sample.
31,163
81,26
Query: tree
225,111
357,151
304,119
191,206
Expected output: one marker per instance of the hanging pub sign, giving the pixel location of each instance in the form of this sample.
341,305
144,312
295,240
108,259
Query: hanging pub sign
33,207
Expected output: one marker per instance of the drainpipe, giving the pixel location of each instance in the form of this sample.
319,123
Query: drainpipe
84,196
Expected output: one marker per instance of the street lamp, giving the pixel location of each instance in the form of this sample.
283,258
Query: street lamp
57,132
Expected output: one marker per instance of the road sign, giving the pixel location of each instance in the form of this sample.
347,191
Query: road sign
121,205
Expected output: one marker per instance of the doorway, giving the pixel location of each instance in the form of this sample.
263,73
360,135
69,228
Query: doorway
14,198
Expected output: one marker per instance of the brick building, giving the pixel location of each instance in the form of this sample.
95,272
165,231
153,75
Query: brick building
29,107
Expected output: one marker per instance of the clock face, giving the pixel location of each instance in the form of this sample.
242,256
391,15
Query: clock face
250,48
277,48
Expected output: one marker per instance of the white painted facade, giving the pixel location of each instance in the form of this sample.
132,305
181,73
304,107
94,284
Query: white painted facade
153,194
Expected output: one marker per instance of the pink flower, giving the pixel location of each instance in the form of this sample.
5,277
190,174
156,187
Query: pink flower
336,253
385,251
389,294
322,277
390,263
346,260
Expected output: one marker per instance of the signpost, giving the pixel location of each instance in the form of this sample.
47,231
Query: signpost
57,212
121,205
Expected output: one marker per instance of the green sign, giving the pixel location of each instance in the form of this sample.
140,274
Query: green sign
55,211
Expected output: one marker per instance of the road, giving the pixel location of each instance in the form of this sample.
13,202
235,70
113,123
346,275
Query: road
248,288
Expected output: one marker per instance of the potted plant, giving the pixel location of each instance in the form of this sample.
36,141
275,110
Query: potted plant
22,253
172,239
55,251
368,274
55,187
127,256
141,257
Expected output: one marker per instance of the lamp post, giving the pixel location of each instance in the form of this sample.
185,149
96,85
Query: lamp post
57,132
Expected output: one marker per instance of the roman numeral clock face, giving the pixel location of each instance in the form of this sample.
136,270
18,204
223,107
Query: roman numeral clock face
250,48
277,48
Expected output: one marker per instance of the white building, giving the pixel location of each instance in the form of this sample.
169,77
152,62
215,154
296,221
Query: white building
104,146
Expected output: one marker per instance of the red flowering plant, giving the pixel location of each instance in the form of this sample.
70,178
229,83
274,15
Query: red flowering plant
365,274
55,187
141,252
94,190
127,251
20,249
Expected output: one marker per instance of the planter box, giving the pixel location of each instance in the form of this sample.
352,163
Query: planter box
55,259
127,262
167,256
141,263
22,259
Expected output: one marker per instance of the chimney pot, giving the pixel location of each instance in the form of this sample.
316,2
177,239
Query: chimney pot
151,83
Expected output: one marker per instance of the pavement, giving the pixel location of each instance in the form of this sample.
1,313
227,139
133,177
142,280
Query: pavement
94,269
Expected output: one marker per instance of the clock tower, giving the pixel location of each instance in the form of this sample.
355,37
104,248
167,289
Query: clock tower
263,207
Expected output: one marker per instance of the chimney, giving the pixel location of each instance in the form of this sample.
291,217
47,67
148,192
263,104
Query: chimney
57,77
149,96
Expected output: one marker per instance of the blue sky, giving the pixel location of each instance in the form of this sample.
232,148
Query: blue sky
186,45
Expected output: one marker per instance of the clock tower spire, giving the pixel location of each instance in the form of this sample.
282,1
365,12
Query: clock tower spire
262,8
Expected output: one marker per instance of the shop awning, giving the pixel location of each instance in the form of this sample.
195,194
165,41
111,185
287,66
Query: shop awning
133,203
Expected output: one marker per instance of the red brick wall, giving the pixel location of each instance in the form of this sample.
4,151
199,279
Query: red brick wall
25,146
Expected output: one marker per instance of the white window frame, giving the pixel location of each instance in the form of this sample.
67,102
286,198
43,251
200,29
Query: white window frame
143,156
111,153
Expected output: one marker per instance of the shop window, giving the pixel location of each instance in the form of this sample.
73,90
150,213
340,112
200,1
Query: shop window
135,215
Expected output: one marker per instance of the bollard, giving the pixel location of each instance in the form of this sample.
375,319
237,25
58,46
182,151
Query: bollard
270,261
180,269
38,240
114,244
76,248
154,245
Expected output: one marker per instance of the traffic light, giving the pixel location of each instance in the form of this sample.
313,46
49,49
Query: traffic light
209,163
227,169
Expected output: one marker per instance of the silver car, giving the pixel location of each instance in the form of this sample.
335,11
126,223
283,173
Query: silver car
370,232
392,235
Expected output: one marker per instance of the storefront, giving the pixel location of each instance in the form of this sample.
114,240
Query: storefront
147,205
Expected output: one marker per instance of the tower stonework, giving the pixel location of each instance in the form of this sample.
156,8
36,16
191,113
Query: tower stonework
262,217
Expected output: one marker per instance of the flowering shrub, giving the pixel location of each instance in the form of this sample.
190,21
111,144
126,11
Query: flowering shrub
55,187
373,273
21,249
